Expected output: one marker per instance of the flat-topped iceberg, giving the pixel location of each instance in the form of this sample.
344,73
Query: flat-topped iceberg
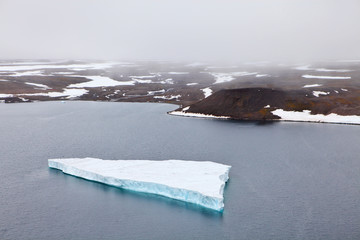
198,182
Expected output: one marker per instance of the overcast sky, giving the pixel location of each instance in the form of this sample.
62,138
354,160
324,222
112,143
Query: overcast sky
191,30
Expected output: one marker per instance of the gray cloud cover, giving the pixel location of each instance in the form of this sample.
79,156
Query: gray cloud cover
234,30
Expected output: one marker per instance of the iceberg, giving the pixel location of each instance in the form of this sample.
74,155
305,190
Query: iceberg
198,182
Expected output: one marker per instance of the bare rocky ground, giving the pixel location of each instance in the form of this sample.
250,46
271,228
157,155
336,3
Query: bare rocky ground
248,91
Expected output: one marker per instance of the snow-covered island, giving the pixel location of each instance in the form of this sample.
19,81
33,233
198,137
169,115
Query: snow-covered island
198,182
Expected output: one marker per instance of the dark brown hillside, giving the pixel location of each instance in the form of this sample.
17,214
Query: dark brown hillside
257,103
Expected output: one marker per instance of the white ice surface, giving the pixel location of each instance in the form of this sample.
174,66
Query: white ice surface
142,77
42,86
306,116
262,75
167,81
324,77
168,97
191,84
207,92
27,73
6,95
142,81
68,93
99,81
318,93
312,85
64,73
308,68
196,182
177,73
156,92
228,77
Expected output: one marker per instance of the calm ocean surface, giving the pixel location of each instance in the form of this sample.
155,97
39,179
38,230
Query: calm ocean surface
288,180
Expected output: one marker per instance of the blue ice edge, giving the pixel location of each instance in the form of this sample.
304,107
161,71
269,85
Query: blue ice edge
185,195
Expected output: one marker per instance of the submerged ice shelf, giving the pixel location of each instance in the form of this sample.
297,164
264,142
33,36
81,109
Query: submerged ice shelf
198,182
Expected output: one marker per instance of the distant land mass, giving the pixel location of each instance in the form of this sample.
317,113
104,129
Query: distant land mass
317,92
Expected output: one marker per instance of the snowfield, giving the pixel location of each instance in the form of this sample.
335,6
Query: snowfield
228,77
99,81
68,93
308,68
40,86
318,93
312,85
197,182
324,77
207,92
306,116
168,97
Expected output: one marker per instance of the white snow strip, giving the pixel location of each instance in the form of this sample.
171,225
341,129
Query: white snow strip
167,81
207,91
174,73
27,73
142,77
185,109
325,77
156,92
267,106
23,99
42,86
168,97
6,95
3,80
227,77
308,68
262,75
318,93
99,81
332,70
63,73
199,115
196,182
312,85
222,77
305,116
142,81
336,91
345,90
68,93
191,84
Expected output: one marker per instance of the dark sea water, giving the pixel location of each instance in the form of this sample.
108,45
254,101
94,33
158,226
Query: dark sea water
288,181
